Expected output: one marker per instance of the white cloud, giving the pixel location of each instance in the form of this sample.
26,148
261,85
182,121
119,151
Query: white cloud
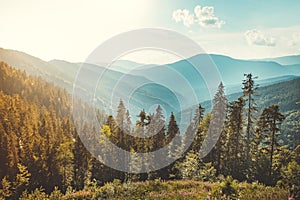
183,16
256,37
204,16
294,40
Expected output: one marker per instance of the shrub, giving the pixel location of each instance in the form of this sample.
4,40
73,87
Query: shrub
227,188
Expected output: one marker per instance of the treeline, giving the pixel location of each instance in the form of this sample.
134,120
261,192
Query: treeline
248,147
40,147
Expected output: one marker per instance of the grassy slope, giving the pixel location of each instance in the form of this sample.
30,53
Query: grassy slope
184,189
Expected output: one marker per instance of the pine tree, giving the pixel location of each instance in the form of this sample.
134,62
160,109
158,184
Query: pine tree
249,92
21,181
142,145
195,126
6,189
235,138
157,125
216,132
269,123
173,139
121,123
81,158
121,120
65,162
193,135
111,156
191,166
128,141
173,129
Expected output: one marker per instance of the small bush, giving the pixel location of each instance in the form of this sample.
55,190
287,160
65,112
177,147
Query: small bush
228,188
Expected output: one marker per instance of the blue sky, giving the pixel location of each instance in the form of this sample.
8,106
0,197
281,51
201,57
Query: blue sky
244,14
70,30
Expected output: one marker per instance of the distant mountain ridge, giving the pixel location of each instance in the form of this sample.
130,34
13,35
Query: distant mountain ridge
284,60
144,78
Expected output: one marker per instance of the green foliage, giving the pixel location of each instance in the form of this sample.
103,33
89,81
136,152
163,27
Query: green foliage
191,166
226,189
183,189
269,123
258,191
249,92
56,194
36,130
207,173
22,180
216,131
40,147
37,194
291,178
6,190
235,157
64,160
14,189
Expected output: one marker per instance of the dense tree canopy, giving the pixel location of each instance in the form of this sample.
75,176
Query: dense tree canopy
40,147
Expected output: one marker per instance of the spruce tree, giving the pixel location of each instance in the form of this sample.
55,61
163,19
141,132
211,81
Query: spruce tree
193,131
235,138
216,132
249,92
173,139
196,145
269,124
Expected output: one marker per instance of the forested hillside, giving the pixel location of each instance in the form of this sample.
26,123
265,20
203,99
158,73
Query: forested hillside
63,74
38,142
287,96
40,147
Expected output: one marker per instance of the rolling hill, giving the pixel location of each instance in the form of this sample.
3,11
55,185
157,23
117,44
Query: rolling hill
146,86
285,60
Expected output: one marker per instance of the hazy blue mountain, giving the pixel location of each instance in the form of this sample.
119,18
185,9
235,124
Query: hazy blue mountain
125,66
69,69
176,86
286,94
230,89
27,62
285,60
294,68
111,87
231,70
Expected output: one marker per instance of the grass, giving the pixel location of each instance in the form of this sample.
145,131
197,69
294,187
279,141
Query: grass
181,189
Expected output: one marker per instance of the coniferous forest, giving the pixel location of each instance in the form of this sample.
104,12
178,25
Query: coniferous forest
42,156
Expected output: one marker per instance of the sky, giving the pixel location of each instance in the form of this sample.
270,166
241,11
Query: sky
71,30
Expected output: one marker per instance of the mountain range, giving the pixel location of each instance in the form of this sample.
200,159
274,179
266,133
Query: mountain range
175,86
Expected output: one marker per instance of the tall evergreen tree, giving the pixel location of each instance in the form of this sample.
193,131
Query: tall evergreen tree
216,132
173,139
157,141
269,123
235,138
158,128
65,162
195,125
81,159
193,134
249,92
121,123
142,144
